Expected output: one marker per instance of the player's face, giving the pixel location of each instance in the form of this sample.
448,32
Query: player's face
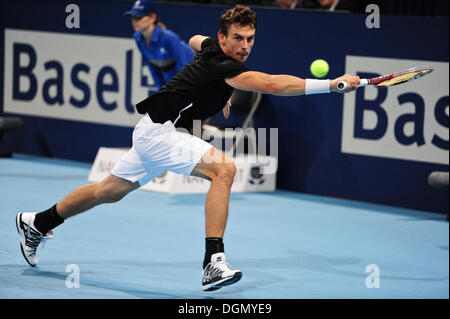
239,42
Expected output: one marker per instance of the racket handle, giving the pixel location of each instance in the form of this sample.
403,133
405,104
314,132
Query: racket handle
343,85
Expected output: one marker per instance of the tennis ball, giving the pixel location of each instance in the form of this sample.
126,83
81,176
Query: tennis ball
319,68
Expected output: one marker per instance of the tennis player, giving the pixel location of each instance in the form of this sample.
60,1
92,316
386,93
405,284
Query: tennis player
199,90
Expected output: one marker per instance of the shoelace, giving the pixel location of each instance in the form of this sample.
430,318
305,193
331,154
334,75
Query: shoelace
33,239
217,269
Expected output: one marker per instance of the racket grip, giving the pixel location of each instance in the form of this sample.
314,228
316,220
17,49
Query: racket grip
343,85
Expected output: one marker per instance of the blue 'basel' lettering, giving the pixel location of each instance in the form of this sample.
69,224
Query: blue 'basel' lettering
416,118
102,87
25,82
80,67
129,66
24,72
362,105
56,82
441,118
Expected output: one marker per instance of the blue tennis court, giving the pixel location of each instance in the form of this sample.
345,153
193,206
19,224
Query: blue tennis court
150,245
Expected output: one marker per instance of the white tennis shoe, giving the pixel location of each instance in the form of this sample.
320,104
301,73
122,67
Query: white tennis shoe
218,273
30,237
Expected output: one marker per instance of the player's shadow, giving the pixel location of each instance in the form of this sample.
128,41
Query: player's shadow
259,273
140,293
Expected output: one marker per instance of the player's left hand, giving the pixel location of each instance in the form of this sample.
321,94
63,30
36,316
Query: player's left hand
226,109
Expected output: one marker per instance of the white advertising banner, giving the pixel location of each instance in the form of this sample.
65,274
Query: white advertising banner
408,121
251,174
75,77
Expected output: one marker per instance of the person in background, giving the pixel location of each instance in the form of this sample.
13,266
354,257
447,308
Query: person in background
163,51
339,5
289,4
246,2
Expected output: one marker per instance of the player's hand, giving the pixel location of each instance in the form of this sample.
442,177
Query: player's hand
352,83
226,109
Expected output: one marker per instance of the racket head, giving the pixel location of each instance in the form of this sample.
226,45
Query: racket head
404,76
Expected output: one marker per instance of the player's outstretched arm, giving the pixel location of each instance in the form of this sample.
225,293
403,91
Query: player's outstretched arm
287,85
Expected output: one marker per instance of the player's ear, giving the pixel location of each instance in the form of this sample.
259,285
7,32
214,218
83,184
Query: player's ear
220,36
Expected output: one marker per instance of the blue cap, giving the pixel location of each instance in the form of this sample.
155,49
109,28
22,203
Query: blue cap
141,8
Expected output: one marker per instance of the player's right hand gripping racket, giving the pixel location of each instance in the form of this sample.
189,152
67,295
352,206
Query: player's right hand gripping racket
393,78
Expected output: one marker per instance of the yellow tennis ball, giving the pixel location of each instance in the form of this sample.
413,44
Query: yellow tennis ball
319,68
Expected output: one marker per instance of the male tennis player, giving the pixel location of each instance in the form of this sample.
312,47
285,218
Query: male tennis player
199,90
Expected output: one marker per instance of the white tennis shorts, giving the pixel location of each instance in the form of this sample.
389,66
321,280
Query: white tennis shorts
158,147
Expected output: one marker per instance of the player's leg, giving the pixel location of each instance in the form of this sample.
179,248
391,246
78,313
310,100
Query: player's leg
35,227
220,170
161,147
109,190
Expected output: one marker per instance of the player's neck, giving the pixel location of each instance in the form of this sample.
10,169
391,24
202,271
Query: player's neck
224,49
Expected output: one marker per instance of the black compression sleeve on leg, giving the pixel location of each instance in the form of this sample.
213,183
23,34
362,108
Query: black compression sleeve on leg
213,245
47,220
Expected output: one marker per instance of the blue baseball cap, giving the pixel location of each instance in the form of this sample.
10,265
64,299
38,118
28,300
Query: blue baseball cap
141,8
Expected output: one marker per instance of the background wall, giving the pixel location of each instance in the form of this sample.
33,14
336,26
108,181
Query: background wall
373,145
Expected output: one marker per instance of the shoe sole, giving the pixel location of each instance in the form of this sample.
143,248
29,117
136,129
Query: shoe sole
224,282
18,218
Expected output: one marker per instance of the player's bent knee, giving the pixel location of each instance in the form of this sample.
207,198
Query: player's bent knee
227,172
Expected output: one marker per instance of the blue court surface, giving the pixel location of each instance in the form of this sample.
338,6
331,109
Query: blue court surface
150,245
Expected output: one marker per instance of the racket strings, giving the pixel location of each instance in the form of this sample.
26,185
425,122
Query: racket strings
404,78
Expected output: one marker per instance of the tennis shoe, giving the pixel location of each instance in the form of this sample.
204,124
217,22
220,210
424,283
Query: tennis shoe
218,273
30,237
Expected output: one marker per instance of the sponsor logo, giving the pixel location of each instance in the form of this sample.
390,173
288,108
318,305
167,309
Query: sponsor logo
137,5
75,77
255,176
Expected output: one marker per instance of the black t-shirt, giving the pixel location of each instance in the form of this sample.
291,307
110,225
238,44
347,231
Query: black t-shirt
198,91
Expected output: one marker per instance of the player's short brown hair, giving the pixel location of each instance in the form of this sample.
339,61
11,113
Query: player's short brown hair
239,15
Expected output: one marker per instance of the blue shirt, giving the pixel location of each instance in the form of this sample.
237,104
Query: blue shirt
165,55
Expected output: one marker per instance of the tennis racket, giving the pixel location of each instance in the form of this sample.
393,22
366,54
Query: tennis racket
393,78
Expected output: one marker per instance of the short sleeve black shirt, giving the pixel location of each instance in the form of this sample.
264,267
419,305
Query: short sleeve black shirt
200,83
